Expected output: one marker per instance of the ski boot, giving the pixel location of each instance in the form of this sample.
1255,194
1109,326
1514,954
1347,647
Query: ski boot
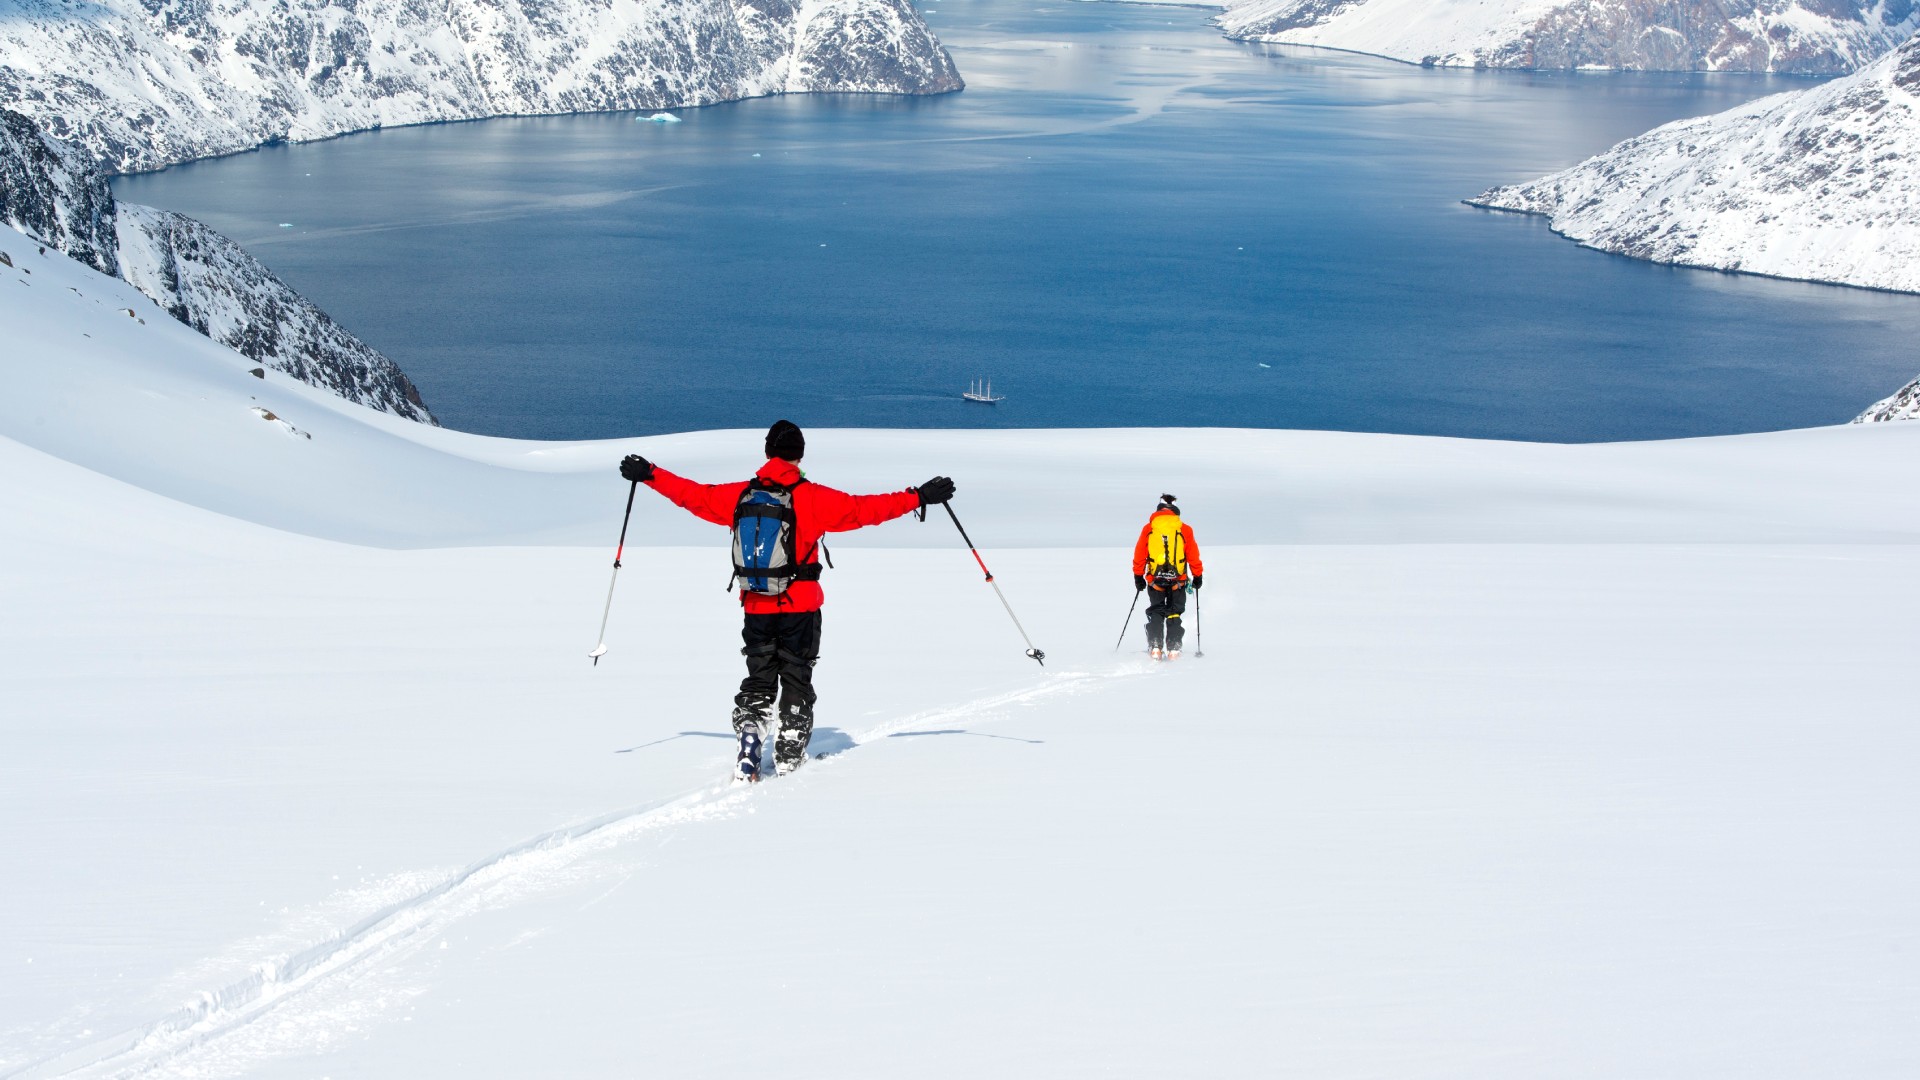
749,724
746,765
790,746
1156,652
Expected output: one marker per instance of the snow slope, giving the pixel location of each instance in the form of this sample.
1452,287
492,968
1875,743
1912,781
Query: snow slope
1819,184
147,84
1808,37
322,784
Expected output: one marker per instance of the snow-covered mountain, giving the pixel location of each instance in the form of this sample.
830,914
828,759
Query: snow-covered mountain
147,83
1902,404
1809,37
1821,184
57,195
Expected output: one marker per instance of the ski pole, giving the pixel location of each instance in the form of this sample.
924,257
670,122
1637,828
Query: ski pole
1199,649
600,650
1038,656
1123,626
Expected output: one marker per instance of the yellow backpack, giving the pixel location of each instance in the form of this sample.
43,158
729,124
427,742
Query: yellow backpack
1166,550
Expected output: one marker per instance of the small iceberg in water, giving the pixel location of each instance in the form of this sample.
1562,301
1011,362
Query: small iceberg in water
659,118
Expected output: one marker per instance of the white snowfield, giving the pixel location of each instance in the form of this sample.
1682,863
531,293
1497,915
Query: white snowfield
1818,184
1502,761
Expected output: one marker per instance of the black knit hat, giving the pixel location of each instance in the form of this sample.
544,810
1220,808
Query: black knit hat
785,441
1166,502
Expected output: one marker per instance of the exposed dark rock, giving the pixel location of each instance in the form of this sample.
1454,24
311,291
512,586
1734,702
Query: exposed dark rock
56,194
53,193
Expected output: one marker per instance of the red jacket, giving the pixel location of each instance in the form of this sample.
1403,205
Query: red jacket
1140,559
817,509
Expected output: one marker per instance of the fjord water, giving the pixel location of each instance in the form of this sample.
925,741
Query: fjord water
1124,220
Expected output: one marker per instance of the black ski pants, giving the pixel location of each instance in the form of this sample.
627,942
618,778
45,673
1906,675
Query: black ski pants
780,649
1163,617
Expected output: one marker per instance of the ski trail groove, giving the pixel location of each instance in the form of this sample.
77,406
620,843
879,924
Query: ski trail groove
216,1013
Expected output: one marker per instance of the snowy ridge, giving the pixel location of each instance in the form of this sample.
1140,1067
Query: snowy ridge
1817,184
144,85
53,193
1809,37
501,878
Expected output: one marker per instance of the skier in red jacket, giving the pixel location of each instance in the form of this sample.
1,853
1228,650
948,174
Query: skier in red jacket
782,631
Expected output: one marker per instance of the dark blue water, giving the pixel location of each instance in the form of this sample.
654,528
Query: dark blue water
1124,220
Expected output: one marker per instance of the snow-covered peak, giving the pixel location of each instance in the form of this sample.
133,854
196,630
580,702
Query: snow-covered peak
149,84
1902,404
1819,184
1797,36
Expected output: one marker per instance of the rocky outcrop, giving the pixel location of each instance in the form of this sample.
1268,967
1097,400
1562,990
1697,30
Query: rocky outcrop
1904,404
1812,37
147,83
1821,184
56,195
208,282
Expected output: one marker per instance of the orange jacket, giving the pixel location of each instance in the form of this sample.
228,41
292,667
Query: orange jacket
1141,561
817,509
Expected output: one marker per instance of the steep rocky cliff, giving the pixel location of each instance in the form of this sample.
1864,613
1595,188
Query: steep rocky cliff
1812,37
57,195
53,192
147,83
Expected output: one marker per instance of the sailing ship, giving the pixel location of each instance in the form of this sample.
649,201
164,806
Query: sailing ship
982,392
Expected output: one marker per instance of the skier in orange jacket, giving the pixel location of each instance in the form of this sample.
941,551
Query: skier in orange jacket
1162,558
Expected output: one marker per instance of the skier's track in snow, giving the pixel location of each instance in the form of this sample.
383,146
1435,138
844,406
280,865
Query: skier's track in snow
215,1014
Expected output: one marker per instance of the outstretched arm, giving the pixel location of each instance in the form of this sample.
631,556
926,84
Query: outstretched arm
837,511
708,502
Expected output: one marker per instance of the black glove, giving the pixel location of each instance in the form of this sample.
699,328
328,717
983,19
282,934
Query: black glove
935,491
1139,583
1196,583
636,468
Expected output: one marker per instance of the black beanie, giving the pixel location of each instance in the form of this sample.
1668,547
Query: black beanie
785,441
1166,503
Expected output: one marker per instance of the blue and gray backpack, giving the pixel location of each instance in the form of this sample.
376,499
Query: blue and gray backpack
764,561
